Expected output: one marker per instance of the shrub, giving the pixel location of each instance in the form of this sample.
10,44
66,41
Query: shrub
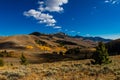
23,60
101,55
5,54
1,62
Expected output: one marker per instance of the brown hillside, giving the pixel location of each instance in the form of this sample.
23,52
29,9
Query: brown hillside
22,41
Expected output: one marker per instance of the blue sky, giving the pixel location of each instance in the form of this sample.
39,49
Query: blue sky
74,17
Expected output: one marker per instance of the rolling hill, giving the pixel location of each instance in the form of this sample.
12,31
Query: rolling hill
36,40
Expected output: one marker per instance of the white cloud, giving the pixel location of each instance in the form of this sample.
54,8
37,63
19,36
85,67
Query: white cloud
40,2
107,1
41,17
52,5
57,27
111,36
112,1
33,13
45,8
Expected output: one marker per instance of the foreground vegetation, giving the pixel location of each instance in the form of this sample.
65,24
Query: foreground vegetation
62,65
63,70
101,55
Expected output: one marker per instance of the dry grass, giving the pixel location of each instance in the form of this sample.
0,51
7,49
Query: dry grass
64,70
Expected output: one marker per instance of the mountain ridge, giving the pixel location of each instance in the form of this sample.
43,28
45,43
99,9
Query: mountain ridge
55,41
62,35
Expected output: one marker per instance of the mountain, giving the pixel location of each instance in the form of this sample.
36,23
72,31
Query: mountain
60,35
63,35
36,40
37,34
40,47
95,39
55,42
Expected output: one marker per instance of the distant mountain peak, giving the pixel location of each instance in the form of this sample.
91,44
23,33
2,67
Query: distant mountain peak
63,35
36,33
60,34
96,39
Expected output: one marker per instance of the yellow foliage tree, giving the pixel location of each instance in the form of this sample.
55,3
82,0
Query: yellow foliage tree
60,49
29,47
45,48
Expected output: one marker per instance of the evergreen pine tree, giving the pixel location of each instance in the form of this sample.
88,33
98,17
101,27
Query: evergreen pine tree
101,55
23,60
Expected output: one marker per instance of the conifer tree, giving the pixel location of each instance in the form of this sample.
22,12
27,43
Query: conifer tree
23,60
101,55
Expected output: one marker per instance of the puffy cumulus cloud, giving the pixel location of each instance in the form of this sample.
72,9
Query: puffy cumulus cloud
41,17
112,1
53,5
46,7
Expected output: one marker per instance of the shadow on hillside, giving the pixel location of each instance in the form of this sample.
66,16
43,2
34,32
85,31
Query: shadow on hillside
10,45
48,58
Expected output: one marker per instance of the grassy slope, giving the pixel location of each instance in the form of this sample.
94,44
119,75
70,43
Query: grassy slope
21,41
63,70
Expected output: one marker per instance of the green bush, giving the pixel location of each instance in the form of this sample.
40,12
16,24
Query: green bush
23,60
101,55
1,62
